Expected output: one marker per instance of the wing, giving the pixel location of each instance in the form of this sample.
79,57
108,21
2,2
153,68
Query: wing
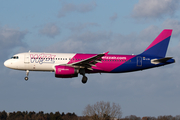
89,62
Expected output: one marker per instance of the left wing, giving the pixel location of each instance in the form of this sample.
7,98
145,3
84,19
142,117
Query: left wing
89,62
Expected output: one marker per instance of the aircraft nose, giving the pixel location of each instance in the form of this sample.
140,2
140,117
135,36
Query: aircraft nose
7,63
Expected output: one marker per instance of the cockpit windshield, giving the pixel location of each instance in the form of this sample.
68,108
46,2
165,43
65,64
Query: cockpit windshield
14,57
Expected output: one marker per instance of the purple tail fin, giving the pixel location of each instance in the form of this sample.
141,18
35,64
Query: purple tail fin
159,46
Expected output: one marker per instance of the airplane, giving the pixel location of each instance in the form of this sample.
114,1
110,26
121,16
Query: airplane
68,65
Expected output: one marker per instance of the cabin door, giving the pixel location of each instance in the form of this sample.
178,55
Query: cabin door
26,58
139,61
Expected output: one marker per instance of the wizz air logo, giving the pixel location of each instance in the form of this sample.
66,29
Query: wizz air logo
42,58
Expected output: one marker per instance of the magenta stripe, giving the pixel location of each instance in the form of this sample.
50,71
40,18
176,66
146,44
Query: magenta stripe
107,59
79,57
163,35
114,60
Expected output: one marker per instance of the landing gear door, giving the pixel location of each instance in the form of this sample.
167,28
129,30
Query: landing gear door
26,58
139,61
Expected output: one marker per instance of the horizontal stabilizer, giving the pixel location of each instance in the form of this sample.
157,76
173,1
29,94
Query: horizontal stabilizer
162,60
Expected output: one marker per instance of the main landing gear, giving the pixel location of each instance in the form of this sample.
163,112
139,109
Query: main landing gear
84,78
27,73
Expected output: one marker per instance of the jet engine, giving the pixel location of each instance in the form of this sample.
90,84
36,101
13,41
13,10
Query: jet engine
66,71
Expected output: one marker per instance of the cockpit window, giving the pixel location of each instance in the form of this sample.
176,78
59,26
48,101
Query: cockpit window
14,57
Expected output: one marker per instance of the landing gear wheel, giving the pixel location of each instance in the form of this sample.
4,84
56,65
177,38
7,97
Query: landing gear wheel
84,79
26,78
27,73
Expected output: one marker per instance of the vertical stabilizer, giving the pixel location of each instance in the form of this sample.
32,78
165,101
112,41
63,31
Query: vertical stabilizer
159,46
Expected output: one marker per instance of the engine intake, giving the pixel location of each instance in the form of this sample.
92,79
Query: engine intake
66,71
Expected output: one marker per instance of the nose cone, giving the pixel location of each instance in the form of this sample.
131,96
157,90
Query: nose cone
7,63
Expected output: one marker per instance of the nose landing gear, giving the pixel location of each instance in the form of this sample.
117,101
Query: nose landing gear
27,73
84,78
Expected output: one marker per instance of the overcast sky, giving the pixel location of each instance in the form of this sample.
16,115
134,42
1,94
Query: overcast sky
84,26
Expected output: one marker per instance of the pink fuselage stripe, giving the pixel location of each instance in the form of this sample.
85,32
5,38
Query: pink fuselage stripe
163,35
109,62
79,57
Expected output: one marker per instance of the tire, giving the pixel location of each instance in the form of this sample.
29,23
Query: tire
26,78
84,79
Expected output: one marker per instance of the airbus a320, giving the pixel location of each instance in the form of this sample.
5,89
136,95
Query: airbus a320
68,65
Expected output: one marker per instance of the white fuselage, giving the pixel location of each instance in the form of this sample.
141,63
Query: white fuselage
68,65
37,61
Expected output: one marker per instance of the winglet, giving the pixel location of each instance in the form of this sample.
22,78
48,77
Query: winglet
106,53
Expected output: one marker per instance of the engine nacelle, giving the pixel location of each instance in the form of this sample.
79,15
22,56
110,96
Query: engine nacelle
66,71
